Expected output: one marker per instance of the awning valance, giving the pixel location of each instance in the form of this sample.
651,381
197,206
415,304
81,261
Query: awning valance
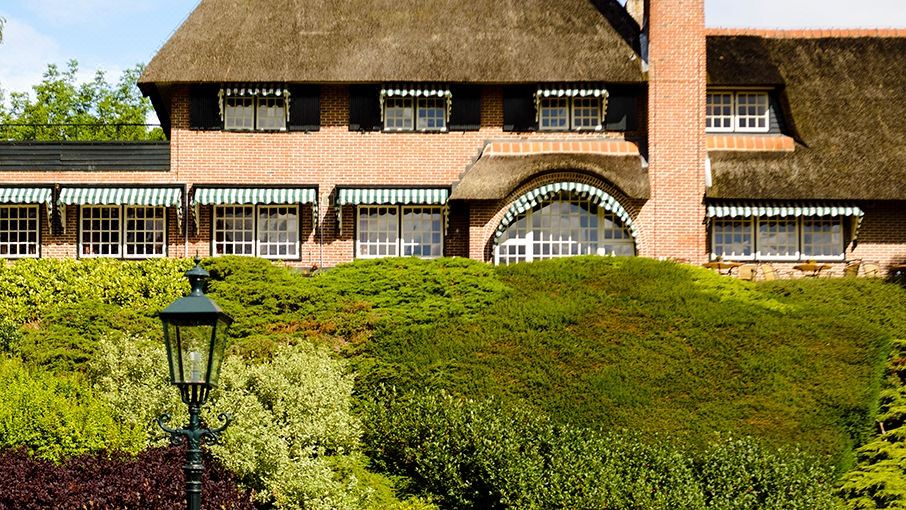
785,210
152,197
389,196
254,89
254,196
148,197
547,192
571,91
26,196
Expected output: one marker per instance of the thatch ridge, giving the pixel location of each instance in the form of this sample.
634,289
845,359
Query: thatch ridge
494,177
362,41
846,98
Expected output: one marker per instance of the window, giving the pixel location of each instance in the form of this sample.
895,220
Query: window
781,239
391,231
19,231
742,112
267,231
408,114
103,232
248,113
563,228
562,113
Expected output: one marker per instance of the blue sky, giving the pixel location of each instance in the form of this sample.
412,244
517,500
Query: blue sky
116,34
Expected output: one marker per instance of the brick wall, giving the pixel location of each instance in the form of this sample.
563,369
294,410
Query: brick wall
672,222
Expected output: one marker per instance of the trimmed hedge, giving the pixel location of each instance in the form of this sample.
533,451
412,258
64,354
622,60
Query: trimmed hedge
153,480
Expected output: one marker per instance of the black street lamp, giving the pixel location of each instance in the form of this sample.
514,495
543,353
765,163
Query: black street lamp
195,335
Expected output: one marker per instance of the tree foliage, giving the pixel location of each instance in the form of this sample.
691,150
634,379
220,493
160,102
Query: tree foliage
61,108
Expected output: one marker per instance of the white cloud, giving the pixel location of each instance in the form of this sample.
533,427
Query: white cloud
806,13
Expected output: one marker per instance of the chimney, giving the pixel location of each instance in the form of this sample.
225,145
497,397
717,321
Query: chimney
674,215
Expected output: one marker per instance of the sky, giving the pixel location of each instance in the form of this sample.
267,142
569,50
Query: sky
113,35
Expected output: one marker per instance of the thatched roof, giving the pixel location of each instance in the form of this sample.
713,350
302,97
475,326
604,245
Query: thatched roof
494,177
351,41
845,101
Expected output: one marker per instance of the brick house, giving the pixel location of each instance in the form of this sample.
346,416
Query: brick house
319,132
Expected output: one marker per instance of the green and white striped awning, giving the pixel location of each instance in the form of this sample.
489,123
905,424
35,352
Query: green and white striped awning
392,196
152,197
547,192
26,196
782,210
255,196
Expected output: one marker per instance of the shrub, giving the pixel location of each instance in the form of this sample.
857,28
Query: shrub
54,418
293,421
472,454
153,480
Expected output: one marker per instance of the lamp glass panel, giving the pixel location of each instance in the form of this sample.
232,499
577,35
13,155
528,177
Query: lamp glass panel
190,351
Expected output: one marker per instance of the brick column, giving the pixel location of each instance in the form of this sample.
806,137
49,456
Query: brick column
673,220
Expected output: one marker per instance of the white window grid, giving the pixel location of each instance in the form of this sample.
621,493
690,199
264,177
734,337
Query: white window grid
239,113
586,113
398,114
752,112
719,116
101,231
271,114
20,234
145,232
378,232
431,113
822,238
564,227
733,239
234,230
778,239
554,114
422,232
278,231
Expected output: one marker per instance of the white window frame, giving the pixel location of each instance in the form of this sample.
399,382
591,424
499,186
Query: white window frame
570,117
120,232
255,243
292,232
735,116
597,103
524,224
710,114
546,105
258,102
755,225
18,232
398,244
125,231
796,235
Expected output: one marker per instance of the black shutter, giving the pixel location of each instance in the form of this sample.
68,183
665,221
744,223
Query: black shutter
465,113
519,108
304,108
364,108
204,107
622,112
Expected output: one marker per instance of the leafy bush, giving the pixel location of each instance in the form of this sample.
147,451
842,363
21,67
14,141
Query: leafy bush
293,423
486,455
54,418
153,480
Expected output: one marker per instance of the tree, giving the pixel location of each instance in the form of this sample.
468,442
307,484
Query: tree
62,109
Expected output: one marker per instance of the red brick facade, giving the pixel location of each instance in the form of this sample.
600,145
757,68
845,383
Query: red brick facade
670,137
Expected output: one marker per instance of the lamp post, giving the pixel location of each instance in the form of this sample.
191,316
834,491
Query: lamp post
195,335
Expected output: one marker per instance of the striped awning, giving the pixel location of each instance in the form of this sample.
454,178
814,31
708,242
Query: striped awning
254,89
389,196
403,90
26,196
547,192
392,196
152,197
782,210
255,196
570,91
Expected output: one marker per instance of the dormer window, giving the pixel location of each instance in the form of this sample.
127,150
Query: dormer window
741,112
410,108
570,108
254,108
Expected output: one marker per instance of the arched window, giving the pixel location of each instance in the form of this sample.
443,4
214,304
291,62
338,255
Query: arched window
563,220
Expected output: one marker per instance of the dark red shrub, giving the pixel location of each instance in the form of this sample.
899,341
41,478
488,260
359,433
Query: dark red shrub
153,480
